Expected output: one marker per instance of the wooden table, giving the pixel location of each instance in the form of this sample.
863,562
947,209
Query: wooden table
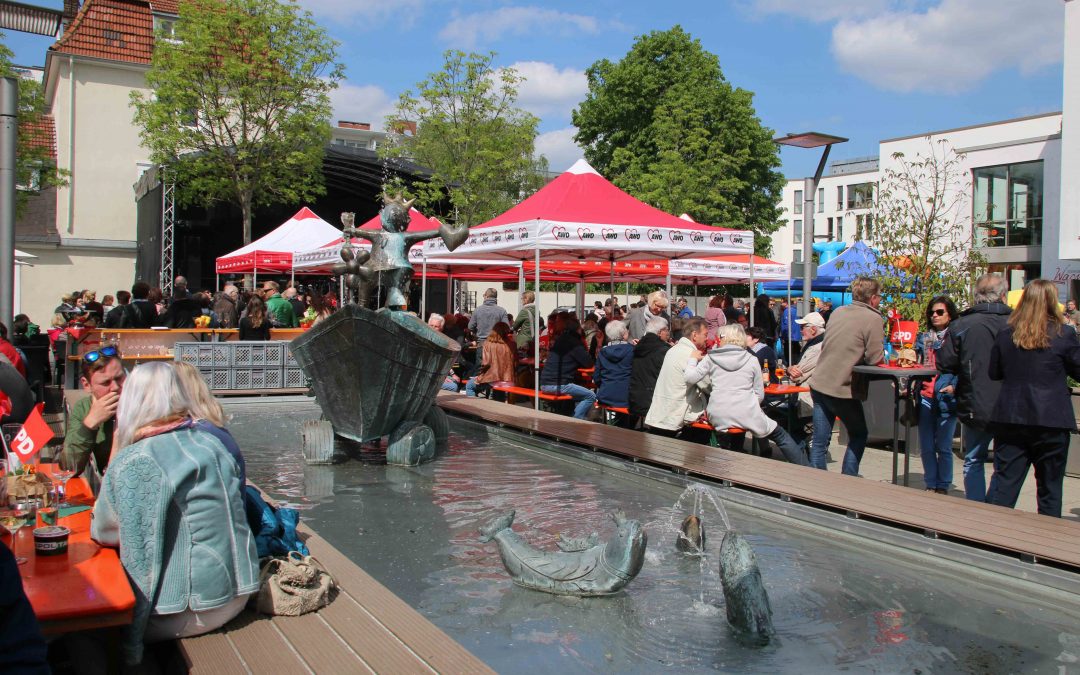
83,589
895,373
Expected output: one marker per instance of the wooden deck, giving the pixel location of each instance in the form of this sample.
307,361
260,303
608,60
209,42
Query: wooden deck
365,629
1029,536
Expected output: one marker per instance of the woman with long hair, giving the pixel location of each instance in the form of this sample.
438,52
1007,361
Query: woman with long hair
171,503
937,400
497,361
321,304
207,412
714,317
566,355
255,324
1033,416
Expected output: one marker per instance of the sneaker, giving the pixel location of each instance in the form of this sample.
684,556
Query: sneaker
941,491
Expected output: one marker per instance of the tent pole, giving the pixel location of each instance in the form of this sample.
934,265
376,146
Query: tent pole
696,297
611,279
536,330
423,289
581,298
669,285
627,293
753,290
217,283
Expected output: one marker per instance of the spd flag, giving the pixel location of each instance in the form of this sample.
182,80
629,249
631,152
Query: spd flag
33,436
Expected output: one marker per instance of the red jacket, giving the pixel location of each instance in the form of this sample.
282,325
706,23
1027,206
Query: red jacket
12,354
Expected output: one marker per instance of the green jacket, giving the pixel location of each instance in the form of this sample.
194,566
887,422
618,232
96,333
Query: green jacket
282,312
80,442
523,325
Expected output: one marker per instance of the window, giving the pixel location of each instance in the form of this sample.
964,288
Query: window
797,227
829,228
798,201
839,228
1007,204
165,27
797,256
839,197
821,200
860,195
864,226
33,183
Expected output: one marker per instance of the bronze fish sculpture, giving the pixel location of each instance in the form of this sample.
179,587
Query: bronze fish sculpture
691,539
589,567
748,608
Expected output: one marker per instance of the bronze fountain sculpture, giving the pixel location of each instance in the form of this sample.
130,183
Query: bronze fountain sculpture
375,372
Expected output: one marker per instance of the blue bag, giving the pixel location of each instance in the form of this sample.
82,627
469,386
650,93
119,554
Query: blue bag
274,529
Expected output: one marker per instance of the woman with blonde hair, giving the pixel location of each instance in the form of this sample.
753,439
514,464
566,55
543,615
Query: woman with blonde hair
207,413
738,390
1033,416
497,362
171,503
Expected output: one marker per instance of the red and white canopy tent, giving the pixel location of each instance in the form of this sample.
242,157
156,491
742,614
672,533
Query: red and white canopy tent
581,215
274,251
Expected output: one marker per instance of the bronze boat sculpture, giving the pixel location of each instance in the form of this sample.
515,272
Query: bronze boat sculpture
582,567
376,373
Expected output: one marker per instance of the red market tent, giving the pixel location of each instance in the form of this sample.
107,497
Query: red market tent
581,214
274,252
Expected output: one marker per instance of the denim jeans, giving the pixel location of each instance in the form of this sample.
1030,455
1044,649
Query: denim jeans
470,387
850,412
449,385
976,452
935,444
584,398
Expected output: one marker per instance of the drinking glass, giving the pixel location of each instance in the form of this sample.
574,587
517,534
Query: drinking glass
63,472
13,520
47,512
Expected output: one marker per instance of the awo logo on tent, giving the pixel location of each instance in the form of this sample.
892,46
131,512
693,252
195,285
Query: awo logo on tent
655,235
560,232
697,237
717,238
585,234
523,233
675,236
609,234
632,234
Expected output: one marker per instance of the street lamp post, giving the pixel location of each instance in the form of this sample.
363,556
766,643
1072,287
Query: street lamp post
810,139
9,123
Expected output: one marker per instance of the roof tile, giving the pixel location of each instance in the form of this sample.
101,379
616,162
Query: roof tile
41,133
120,30
165,6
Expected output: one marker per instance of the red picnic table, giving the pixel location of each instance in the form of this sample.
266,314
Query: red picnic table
83,589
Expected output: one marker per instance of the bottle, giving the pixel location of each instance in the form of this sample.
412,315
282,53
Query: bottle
890,354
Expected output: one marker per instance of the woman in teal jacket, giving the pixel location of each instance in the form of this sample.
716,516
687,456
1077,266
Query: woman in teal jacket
171,502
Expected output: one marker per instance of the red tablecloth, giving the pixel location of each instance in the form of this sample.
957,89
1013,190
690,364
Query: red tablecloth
82,589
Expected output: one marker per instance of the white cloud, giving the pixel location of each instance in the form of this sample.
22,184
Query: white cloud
354,11
559,148
549,91
362,103
951,47
944,46
467,30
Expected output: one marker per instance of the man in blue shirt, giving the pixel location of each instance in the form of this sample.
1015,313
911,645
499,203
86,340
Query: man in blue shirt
790,333
684,311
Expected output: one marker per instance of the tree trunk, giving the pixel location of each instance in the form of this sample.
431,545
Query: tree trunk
245,210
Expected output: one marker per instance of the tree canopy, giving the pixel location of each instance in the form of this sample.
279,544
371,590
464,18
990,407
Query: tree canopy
35,170
666,126
469,134
924,240
240,107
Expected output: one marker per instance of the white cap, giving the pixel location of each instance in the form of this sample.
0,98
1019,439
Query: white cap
812,319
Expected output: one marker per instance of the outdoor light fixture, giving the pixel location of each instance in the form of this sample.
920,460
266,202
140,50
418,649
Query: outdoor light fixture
810,139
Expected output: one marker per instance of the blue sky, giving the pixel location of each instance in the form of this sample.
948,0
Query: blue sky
864,69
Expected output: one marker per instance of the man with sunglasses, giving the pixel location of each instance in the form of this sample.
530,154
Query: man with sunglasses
92,420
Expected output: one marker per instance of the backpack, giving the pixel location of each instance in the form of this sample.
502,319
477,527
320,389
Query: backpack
274,529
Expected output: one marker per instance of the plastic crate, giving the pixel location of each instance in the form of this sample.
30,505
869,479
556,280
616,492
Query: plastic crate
256,378
257,354
294,377
203,354
290,360
216,378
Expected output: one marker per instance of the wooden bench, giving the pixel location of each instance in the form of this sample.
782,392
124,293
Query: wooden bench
366,628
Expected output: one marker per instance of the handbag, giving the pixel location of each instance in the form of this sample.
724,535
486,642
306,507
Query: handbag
293,585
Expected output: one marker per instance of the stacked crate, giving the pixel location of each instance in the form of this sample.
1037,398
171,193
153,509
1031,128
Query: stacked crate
242,365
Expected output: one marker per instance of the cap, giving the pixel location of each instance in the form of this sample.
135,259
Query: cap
812,319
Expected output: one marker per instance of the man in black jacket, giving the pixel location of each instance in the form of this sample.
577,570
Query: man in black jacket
143,312
966,354
649,355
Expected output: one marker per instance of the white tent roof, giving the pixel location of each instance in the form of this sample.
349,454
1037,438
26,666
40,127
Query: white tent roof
273,252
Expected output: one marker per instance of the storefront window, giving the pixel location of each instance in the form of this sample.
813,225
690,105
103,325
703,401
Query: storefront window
1007,204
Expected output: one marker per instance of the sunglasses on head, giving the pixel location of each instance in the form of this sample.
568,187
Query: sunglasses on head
97,354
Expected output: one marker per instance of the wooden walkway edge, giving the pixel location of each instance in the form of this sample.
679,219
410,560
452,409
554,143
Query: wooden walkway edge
365,629
1029,536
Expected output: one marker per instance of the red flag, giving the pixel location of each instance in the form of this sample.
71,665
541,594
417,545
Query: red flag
33,436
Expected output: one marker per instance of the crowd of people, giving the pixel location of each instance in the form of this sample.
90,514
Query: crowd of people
670,370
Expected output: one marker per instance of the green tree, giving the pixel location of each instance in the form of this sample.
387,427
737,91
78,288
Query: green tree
922,230
240,107
33,165
476,143
664,125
